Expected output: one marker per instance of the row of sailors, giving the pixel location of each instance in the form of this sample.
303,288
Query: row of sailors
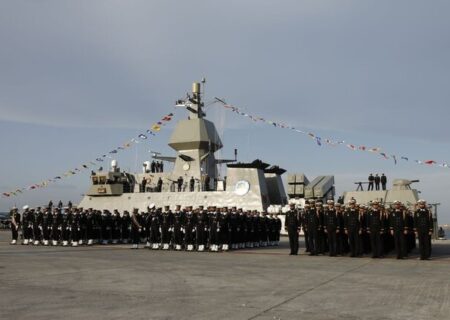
359,229
214,229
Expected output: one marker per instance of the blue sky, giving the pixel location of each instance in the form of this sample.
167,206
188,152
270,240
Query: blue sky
78,78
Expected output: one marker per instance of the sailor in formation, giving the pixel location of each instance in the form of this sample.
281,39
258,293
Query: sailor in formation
358,229
214,229
329,228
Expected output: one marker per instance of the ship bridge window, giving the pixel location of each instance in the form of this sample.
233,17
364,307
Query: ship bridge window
94,180
102,180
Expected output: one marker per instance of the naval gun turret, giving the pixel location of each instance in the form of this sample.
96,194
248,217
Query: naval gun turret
401,191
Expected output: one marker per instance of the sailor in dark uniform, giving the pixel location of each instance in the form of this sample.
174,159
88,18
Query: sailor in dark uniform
116,227
263,229
37,226
342,239
411,236
177,225
270,229
423,227
136,228
126,227
233,232
202,229
375,229
214,229
331,227
65,226
321,238
15,224
352,228
224,226
155,227
83,227
90,221
46,226
242,229
292,226
313,226
146,226
251,229
56,226
75,228
278,229
190,224
304,220
27,225
166,228
106,227
365,237
398,229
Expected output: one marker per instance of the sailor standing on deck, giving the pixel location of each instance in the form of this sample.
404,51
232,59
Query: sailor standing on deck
15,224
371,180
292,225
423,227
377,182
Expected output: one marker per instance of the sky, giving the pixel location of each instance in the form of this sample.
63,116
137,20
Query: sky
78,78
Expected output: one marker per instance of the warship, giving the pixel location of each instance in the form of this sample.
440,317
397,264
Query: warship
196,181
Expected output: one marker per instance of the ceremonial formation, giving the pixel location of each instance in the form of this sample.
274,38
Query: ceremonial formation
213,229
356,229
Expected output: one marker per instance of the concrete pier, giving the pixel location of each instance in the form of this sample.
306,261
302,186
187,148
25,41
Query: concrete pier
115,282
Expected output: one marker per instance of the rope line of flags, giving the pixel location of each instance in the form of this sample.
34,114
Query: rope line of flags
320,141
145,136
